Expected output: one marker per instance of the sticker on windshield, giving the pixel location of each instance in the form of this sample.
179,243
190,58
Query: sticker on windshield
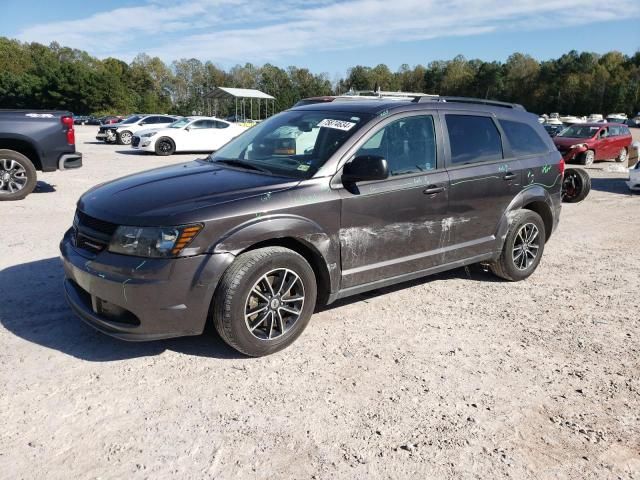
303,168
337,124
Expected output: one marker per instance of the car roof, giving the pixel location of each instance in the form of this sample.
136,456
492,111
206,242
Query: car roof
377,106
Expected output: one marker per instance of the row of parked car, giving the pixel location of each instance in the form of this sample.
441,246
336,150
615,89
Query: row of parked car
91,120
167,134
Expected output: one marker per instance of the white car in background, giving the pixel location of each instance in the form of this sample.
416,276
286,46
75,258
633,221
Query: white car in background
122,132
190,134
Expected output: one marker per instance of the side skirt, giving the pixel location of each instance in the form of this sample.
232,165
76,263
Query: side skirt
385,282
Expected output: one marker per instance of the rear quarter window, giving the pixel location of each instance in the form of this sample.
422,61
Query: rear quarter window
473,139
524,140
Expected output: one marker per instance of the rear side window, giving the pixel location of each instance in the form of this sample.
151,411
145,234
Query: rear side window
473,139
523,139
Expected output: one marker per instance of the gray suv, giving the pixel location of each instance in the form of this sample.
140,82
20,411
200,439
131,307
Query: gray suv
314,204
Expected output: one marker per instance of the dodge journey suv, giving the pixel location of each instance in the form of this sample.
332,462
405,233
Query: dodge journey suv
314,204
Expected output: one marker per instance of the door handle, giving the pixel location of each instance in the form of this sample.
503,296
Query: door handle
433,189
509,176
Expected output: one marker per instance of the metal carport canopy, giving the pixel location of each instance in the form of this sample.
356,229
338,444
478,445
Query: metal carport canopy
228,93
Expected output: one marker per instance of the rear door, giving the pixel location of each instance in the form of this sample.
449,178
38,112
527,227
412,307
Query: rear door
395,226
483,180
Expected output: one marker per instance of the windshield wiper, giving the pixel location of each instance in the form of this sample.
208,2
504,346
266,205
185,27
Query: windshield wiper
241,163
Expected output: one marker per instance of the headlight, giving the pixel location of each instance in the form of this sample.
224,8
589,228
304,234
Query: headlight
153,242
579,145
147,135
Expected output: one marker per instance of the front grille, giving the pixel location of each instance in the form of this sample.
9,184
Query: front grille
93,223
135,141
87,243
90,233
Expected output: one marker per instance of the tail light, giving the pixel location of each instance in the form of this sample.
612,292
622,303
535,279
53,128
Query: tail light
561,166
71,134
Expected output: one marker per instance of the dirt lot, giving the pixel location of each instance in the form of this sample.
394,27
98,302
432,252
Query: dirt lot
456,376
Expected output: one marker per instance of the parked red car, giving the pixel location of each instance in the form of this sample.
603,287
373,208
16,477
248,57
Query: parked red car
588,142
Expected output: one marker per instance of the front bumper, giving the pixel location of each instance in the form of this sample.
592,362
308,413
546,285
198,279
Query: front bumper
634,180
573,153
144,144
138,299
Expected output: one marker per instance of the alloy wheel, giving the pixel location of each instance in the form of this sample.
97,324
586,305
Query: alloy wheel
274,304
526,246
165,146
125,138
13,176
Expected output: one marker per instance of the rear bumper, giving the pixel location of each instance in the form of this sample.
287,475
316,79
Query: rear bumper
138,299
69,161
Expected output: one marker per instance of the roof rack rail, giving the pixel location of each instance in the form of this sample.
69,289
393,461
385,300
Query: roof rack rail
475,101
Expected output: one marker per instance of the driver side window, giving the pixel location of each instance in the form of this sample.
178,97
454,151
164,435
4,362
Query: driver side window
408,145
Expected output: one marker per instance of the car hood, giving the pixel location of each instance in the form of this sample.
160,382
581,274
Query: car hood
139,133
176,194
568,141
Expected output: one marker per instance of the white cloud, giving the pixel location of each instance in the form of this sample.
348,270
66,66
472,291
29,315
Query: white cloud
231,31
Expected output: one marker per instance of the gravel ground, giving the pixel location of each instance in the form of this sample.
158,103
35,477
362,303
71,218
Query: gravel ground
459,375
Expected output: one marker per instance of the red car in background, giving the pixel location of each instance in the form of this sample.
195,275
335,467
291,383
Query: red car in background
110,119
588,142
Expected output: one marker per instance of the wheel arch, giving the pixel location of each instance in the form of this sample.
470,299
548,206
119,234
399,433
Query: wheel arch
23,146
299,234
534,198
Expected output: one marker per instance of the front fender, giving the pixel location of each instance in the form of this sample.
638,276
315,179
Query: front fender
283,226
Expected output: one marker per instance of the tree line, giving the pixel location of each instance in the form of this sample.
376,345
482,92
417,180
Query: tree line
33,75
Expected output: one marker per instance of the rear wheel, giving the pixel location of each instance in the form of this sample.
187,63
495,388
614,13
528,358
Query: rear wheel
576,185
124,137
588,157
523,247
623,156
17,175
165,146
264,300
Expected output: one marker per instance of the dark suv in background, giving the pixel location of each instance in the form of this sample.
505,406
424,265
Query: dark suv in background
314,204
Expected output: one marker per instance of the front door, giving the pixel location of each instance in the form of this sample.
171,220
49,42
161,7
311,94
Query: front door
395,226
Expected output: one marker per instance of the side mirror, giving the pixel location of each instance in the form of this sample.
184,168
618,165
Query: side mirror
364,168
188,129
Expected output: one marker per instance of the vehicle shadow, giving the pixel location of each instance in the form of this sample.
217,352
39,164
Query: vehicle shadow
133,152
44,187
34,309
610,185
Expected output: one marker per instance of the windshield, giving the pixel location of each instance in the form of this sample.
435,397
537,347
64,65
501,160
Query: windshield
131,119
292,143
180,123
579,131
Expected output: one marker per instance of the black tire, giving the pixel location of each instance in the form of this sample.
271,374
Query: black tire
16,170
165,146
505,267
124,137
587,158
576,185
234,294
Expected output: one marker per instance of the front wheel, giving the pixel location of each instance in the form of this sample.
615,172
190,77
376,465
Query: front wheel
576,185
18,176
124,137
623,156
523,247
264,300
165,146
588,158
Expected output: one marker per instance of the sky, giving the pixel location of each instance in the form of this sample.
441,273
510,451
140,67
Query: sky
326,35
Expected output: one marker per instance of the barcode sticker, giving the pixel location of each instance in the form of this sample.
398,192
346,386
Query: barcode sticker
337,124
